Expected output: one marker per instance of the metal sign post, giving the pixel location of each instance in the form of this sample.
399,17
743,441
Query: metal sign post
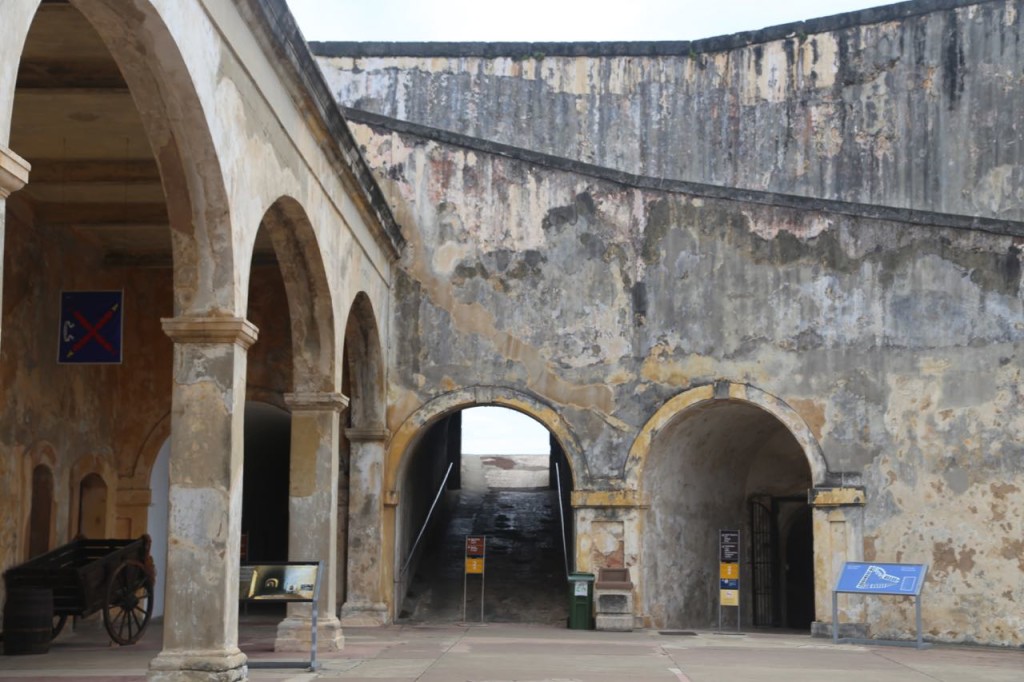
728,573
476,554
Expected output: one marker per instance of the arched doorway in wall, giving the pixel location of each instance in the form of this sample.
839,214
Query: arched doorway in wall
502,485
40,523
92,507
722,464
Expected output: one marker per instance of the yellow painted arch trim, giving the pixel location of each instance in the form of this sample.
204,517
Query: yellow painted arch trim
400,447
667,413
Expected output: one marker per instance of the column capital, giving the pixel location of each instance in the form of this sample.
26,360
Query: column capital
368,434
13,172
316,402
190,329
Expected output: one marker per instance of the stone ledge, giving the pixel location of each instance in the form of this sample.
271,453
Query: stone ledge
608,498
364,615
188,329
13,172
295,633
363,435
316,402
836,497
846,630
209,666
617,623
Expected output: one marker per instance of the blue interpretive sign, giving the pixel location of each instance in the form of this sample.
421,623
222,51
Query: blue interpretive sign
896,580
878,578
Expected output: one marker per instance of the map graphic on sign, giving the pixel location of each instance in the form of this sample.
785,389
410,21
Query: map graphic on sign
881,578
90,327
875,578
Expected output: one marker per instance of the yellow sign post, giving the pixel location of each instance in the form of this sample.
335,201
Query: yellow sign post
476,553
728,573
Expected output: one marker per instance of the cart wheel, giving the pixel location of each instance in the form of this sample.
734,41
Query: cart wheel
129,603
58,624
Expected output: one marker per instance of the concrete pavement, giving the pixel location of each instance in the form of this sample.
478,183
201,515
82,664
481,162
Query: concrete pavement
533,653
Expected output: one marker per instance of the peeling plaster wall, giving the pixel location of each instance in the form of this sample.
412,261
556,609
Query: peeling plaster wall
103,413
916,111
897,344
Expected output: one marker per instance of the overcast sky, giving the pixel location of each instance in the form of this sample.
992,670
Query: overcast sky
551,20
500,431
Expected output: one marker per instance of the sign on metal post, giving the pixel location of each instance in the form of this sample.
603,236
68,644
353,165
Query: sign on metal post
284,581
728,573
858,577
476,555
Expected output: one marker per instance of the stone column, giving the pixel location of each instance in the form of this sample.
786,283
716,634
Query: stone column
364,604
204,528
13,176
838,517
313,515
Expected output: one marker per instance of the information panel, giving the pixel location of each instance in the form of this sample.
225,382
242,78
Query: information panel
874,578
278,582
878,578
728,572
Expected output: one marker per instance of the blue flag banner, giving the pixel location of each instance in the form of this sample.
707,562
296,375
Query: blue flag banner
877,578
90,327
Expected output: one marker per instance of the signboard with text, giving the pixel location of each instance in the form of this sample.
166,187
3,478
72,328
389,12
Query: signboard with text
728,572
476,553
881,579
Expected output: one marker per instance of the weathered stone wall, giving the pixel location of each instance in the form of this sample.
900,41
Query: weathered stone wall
912,105
894,340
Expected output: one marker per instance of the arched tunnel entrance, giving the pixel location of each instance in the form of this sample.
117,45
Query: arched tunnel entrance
728,464
505,470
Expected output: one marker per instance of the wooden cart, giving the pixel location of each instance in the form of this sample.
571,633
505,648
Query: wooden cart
87,575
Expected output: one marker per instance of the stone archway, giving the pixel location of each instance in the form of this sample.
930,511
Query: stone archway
361,519
705,462
299,362
180,206
404,461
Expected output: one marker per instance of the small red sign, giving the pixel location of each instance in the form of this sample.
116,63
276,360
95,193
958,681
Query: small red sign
475,545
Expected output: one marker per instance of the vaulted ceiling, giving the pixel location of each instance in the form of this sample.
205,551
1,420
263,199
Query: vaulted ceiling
76,123
93,170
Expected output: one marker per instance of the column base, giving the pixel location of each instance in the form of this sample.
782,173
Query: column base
200,666
364,615
295,633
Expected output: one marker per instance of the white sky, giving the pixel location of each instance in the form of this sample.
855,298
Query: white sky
500,431
551,20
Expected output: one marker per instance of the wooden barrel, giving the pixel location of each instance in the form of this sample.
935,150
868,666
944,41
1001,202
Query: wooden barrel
28,621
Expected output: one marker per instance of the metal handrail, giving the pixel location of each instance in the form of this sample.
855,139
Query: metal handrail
561,518
426,522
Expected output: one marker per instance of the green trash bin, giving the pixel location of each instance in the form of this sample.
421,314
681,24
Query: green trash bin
581,601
